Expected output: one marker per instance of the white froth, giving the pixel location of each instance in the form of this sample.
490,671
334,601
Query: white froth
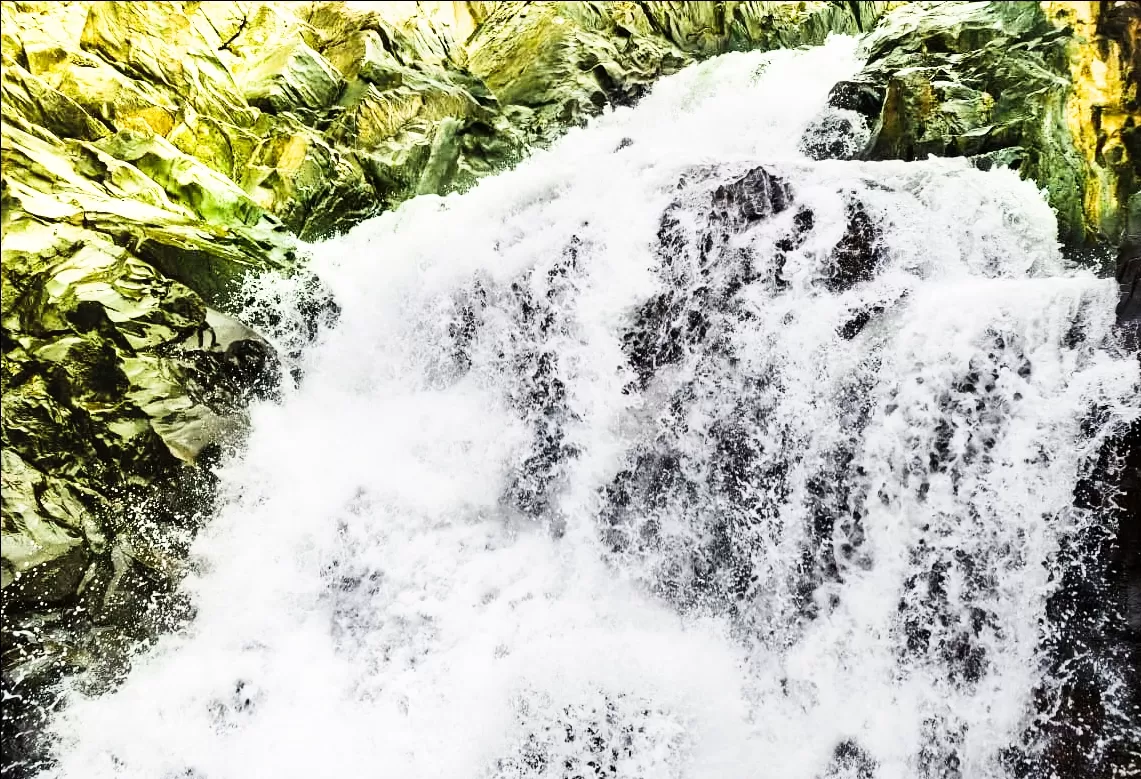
367,606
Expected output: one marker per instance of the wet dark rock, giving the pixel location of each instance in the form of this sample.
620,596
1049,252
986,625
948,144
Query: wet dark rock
539,396
858,254
465,324
835,538
740,204
1092,639
935,632
677,319
580,741
863,97
226,380
856,324
850,761
661,485
803,223
939,757
697,294
1129,279
743,481
835,136
950,636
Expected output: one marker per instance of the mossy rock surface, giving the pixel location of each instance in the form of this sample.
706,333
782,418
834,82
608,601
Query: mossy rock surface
1011,83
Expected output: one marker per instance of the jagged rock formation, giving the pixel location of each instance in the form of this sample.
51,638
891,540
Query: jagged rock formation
1049,89
1103,110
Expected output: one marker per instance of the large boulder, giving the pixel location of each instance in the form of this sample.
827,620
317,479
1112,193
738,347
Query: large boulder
1045,88
292,77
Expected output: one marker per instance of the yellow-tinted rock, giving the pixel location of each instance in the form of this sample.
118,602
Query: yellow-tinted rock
167,49
121,102
31,98
291,76
1102,109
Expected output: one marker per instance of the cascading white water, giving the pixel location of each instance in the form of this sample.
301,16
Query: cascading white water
645,461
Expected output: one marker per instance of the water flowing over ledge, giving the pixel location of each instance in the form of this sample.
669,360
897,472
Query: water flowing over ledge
671,453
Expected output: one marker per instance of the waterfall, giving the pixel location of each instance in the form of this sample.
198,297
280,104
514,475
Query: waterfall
671,453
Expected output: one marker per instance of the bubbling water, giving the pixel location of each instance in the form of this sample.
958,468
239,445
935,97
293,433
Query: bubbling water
671,453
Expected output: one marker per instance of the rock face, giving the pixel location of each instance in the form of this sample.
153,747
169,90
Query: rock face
1049,89
155,154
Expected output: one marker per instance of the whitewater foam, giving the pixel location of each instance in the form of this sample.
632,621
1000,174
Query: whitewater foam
475,542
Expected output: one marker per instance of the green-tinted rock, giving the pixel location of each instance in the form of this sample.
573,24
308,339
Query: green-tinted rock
104,389
984,80
213,197
705,29
565,62
315,189
44,550
117,100
29,97
189,221
362,54
292,77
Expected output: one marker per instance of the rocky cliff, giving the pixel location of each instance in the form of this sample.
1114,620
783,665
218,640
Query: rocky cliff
157,154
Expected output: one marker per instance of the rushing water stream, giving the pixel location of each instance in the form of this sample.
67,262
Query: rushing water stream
671,453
